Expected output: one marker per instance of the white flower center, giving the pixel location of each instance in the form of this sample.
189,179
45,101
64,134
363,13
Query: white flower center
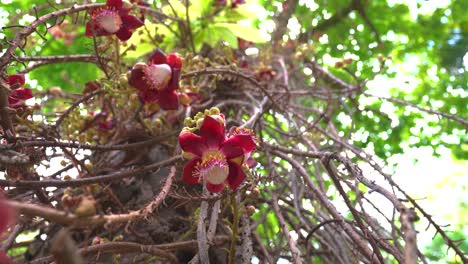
216,174
109,21
159,76
213,168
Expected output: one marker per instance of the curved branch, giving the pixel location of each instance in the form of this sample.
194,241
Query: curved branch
430,111
28,30
90,180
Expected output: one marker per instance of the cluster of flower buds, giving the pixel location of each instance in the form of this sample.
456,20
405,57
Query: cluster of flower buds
215,157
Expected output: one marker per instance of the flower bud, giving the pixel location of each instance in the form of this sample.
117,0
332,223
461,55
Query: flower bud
215,111
250,210
57,91
184,99
184,130
188,122
97,240
87,207
339,64
255,191
299,55
123,80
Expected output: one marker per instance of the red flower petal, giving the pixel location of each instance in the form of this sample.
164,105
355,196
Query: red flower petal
174,82
93,29
189,170
174,61
246,142
4,259
212,132
15,103
251,162
16,79
117,4
236,175
192,143
214,188
157,57
131,22
22,94
168,100
149,96
124,34
6,214
138,79
231,149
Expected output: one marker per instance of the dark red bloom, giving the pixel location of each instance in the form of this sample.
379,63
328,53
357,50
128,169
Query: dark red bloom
92,86
18,94
102,121
221,2
215,157
6,219
114,18
248,160
235,3
158,80
64,31
244,44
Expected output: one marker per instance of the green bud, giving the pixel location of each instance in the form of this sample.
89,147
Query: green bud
215,111
188,122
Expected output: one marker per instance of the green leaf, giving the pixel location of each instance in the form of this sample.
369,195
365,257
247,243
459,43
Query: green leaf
248,33
197,8
144,43
213,35
218,33
232,15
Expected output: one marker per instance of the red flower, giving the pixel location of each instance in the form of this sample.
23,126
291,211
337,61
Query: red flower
221,2
158,80
101,121
18,93
248,160
114,18
235,3
63,31
244,44
216,158
6,219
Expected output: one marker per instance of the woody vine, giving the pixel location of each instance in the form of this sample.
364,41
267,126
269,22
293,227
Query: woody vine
204,155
